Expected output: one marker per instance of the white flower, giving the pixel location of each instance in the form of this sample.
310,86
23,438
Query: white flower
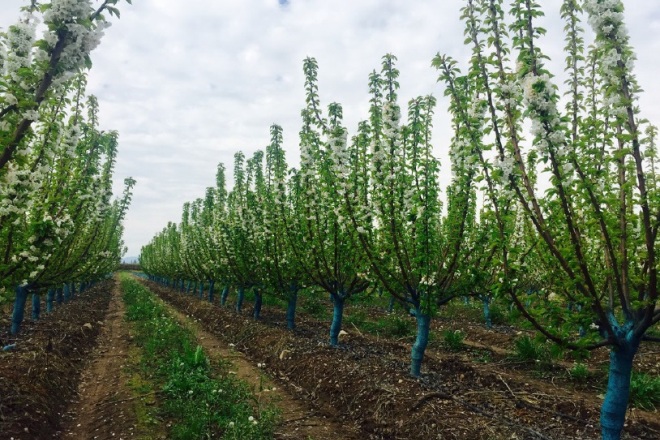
31,115
10,99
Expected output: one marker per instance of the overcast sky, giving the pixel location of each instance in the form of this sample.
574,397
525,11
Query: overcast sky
189,83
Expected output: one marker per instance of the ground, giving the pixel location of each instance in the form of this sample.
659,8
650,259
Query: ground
69,377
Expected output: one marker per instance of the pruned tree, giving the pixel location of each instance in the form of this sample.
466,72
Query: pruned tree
583,180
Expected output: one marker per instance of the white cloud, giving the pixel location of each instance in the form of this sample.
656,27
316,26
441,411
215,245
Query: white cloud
187,84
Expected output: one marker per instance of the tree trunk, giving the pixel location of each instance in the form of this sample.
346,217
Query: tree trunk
36,306
422,340
239,299
291,309
337,315
49,300
487,317
258,299
211,285
67,292
224,295
390,306
613,411
19,309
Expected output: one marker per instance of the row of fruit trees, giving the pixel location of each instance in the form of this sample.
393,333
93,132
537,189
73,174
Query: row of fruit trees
60,230
553,193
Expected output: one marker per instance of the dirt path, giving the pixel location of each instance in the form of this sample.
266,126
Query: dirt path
104,408
299,422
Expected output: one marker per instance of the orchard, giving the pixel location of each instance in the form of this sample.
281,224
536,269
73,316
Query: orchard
540,220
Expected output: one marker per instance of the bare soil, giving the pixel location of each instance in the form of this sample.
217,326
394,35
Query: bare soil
67,378
104,408
40,378
365,383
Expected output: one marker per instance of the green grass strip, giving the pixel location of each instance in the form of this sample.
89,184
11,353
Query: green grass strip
200,402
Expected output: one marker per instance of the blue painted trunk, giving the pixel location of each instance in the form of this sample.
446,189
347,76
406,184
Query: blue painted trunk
390,306
19,309
422,340
60,295
487,318
258,299
224,295
36,306
613,411
188,286
211,285
337,315
239,299
67,292
194,288
291,309
49,300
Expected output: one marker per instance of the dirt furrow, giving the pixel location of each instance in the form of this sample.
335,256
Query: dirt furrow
104,408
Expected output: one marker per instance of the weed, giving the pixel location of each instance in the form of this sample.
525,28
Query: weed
315,306
579,355
579,372
498,315
527,349
396,326
202,404
453,339
484,356
557,352
645,391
